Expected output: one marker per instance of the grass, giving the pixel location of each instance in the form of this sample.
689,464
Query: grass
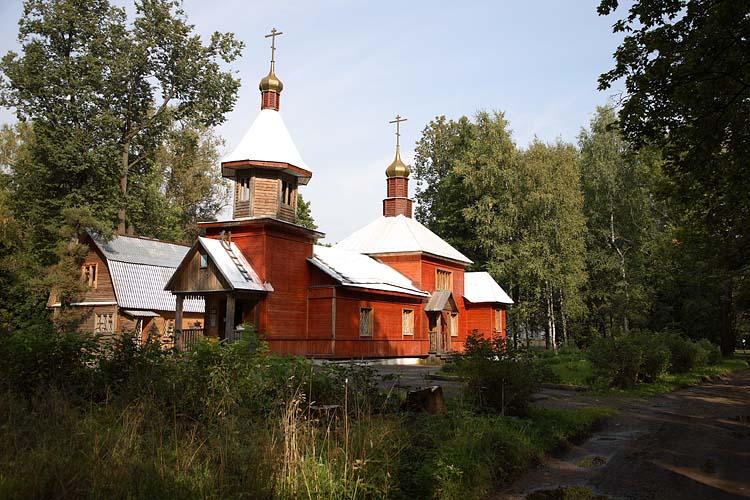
464,455
671,382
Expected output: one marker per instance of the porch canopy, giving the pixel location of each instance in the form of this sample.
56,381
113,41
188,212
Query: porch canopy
215,267
441,300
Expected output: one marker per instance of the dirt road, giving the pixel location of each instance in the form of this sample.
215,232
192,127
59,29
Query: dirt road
689,444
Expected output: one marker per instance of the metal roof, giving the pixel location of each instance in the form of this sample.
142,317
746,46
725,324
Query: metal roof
141,286
140,250
239,274
481,287
360,271
267,140
140,314
399,234
441,300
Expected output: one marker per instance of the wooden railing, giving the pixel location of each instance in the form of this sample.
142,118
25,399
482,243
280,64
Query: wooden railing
185,338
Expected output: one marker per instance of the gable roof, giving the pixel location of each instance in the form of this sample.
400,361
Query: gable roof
267,140
239,274
360,271
399,234
482,287
441,300
140,268
140,250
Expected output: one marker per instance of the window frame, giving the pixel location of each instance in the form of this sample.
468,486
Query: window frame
497,324
107,319
203,264
86,274
454,324
370,330
449,277
407,313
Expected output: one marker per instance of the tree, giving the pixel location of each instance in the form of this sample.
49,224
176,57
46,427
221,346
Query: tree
618,185
440,194
103,93
304,214
686,66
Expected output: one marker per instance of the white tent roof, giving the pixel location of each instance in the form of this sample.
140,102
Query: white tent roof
233,272
399,234
267,140
481,287
360,271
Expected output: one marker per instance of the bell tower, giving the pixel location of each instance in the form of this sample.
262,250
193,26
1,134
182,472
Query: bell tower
266,167
397,201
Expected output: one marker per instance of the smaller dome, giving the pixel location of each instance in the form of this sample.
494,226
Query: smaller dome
271,83
398,168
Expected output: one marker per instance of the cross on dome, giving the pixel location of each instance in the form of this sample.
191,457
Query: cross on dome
398,168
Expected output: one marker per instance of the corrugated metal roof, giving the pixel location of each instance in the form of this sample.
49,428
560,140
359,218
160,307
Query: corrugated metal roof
141,251
399,234
241,274
360,271
481,287
141,286
139,314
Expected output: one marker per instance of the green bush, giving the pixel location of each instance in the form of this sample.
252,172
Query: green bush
617,361
684,354
713,352
498,377
656,357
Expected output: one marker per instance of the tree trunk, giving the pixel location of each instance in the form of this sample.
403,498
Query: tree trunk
563,320
623,271
728,335
552,327
124,167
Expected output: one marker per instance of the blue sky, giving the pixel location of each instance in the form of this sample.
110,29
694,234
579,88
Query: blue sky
349,67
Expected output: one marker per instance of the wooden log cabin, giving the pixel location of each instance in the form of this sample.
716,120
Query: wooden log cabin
125,278
393,289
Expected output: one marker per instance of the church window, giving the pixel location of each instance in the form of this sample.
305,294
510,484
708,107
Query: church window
407,322
454,324
204,260
365,322
104,323
89,275
444,280
243,189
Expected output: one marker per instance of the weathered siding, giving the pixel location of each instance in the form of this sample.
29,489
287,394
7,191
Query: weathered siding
193,278
265,195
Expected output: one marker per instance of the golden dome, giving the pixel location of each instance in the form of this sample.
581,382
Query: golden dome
271,83
397,168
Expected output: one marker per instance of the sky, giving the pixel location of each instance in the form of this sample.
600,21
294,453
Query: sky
349,67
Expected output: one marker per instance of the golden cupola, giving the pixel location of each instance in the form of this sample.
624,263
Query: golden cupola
397,168
397,201
271,83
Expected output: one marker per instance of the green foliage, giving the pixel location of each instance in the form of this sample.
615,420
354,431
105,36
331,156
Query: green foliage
647,357
498,377
304,214
697,111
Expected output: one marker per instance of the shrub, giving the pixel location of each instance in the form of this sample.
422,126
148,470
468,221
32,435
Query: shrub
713,352
684,354
655,357
498,377
617,361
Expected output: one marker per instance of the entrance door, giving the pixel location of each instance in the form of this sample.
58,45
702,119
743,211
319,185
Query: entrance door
437,342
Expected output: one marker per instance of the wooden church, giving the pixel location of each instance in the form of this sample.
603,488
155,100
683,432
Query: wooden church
391,289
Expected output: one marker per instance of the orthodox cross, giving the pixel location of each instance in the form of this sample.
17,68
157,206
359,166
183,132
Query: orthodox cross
398,121
272,35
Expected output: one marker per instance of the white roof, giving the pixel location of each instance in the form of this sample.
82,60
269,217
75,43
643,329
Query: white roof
141,286
267,140
360,271
140,250
240,275
399,234
481,287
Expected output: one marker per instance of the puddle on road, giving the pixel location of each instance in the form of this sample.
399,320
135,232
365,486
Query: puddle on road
591,462
567,493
